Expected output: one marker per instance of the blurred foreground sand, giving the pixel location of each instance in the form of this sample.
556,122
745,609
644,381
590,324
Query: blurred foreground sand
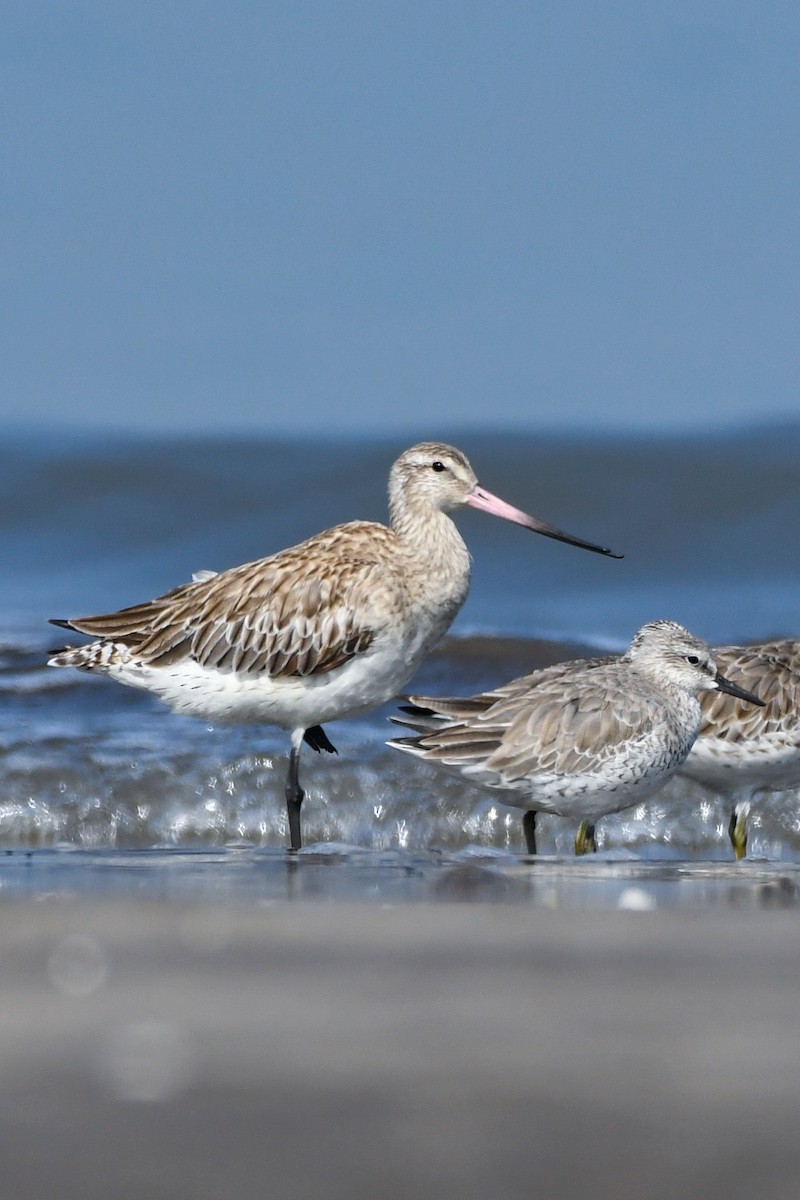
179,1048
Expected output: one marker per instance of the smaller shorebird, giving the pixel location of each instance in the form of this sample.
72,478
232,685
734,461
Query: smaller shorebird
743,751
581,739
326,629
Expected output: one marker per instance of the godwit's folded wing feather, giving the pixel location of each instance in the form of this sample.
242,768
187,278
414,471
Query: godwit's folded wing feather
302,612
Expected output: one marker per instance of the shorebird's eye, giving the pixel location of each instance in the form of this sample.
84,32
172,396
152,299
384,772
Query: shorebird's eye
693,659
438,466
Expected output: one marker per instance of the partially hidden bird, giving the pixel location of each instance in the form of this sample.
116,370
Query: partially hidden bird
746,753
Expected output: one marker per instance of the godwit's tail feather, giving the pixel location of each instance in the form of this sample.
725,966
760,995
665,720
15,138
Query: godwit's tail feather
94,656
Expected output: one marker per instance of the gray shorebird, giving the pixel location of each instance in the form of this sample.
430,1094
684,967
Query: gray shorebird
581,739
326,629
745,752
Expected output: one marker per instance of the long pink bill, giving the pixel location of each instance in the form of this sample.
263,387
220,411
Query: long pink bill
486,502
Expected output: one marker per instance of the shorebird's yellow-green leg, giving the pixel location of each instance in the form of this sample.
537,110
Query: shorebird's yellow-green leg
584,839
737,830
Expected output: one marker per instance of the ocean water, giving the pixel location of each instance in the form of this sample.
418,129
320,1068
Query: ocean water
709,526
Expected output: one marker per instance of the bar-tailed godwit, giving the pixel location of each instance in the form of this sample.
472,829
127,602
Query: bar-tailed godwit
581,739
326,629
743,751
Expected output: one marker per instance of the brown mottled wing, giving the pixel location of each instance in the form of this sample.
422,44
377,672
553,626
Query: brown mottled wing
772,671
302,612
127,625
559,725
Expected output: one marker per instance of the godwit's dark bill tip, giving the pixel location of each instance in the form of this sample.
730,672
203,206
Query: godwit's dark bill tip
560,536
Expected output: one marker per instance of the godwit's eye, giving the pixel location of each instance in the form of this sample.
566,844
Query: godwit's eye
438,466
693,659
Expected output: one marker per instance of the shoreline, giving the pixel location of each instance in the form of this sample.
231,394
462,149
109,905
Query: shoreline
238,877
159,1046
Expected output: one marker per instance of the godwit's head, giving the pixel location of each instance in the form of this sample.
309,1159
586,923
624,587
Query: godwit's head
431,474
436,476
669,654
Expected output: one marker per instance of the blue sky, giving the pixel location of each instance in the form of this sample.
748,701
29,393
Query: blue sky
384,217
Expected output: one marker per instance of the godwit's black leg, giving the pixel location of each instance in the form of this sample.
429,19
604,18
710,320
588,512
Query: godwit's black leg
294,795
529,829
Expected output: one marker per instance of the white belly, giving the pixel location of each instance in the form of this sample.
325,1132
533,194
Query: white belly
770,761
366,681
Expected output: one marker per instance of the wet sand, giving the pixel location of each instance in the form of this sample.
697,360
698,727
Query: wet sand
505,1029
